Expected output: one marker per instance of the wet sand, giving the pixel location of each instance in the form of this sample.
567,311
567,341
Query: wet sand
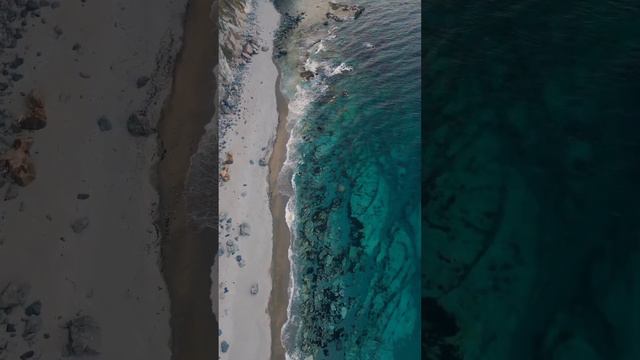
280,267
188,254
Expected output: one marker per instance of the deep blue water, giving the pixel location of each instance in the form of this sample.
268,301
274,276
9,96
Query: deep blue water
355,158
532,132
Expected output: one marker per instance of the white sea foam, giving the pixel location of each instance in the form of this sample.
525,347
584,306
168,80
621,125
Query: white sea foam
301,99
320,47
297,107
311,65
343,67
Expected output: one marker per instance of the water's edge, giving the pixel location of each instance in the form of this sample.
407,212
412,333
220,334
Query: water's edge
280,266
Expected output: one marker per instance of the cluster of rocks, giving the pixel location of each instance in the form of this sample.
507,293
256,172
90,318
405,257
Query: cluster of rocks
14,19
288,23
231,90
249,49
344,12
21,327
231,244
327,265
20,322
226,227
224,170
15,161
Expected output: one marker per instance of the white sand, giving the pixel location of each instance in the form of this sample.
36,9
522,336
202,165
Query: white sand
109,271
244,318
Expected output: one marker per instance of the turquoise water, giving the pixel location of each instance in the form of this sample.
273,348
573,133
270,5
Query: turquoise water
355,211
531,180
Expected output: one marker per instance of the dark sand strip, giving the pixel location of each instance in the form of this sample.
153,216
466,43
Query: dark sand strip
188,254
281,236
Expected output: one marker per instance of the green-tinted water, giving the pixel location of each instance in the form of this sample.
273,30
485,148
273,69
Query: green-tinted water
355,155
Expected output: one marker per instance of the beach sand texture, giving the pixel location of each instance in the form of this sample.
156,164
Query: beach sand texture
88,60
245,281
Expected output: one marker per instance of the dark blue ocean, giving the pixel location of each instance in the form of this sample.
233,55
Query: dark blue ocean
532,132
354,163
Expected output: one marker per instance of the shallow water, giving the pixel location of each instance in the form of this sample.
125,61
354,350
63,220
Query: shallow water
355,157
529,221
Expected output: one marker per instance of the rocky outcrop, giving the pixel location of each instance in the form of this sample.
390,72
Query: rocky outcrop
344,11
307,75
17,162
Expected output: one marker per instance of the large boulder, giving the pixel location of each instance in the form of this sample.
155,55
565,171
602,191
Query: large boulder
17,162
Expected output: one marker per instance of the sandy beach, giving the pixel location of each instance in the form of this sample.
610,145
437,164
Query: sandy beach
245,219
280,269
80,265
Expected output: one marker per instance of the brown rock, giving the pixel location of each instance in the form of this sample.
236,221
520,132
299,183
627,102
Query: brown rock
229,159
224,174
307,74
17,162
36,117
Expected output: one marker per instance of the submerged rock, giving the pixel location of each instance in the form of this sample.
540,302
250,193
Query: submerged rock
307,75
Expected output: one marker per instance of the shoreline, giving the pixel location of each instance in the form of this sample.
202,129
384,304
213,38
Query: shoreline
280,267
188,253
